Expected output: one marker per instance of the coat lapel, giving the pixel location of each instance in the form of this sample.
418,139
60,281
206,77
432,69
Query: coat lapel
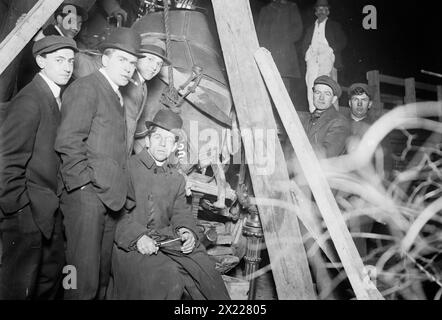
105,83
50,101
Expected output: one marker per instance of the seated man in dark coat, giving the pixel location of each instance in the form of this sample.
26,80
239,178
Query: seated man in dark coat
157,254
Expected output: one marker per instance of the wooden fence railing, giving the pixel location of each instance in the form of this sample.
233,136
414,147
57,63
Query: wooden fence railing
376,79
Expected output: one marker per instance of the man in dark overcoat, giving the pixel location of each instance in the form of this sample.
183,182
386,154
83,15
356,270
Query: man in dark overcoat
143,267
91,141
278,28
30,222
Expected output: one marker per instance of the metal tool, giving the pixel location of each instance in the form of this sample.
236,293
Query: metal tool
160,244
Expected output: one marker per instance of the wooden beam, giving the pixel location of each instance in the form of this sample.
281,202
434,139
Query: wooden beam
374,82
352,262
23,32
439,93
410,90
281,229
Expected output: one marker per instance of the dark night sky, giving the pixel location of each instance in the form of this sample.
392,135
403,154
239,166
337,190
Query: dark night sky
407,40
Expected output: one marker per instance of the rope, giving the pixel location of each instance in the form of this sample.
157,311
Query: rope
166,27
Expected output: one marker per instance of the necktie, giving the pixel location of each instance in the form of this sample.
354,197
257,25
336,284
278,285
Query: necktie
58,101
120,97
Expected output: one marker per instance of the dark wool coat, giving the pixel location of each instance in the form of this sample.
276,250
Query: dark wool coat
278,28
28,162
92,140
328,133
160,211
336,39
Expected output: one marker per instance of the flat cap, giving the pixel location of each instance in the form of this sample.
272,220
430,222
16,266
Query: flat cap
337,91
365,87
53,43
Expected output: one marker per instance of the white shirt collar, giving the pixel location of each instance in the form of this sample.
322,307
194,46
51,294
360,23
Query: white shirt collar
113,84
141,79
52,85
158,163
322,23
357,119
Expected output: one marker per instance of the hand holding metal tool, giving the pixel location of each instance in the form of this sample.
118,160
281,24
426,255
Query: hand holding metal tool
163,243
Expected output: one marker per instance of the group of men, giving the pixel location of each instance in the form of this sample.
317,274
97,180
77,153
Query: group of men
72,193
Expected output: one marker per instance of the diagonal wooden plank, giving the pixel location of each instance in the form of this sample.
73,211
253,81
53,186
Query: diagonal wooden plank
281,229
352,262
25,30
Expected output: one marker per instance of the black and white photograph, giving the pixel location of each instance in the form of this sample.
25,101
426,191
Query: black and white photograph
239,152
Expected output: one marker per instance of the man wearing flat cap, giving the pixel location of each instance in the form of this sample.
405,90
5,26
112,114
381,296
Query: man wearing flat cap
68,19
92,142
145,265
30,226
360,102
326,128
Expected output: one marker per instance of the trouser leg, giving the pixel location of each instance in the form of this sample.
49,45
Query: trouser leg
22,250
84,221
52,263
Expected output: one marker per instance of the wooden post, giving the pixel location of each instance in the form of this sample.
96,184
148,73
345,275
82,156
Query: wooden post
410,91
281,229
25,30
352,262
374,82
439,93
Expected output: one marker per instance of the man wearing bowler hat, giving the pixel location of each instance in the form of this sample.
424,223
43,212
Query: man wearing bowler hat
157,254
30,222
91,141
326,128
135,93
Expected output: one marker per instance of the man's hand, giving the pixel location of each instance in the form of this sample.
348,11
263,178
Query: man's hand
189,240
146,245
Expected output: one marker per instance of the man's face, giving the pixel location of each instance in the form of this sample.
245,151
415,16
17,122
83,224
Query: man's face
57,65
161,144
323,96
322,13
359,105
69,27
119,66
149,66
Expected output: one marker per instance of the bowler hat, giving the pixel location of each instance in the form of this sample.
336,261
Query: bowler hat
164,118
337,91
365,87
322,3
154,46
53,43
125,39
80,10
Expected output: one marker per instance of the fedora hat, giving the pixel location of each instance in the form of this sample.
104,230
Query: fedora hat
165,119
156,47
124,39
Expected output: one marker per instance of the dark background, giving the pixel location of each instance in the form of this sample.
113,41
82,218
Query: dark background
408,37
